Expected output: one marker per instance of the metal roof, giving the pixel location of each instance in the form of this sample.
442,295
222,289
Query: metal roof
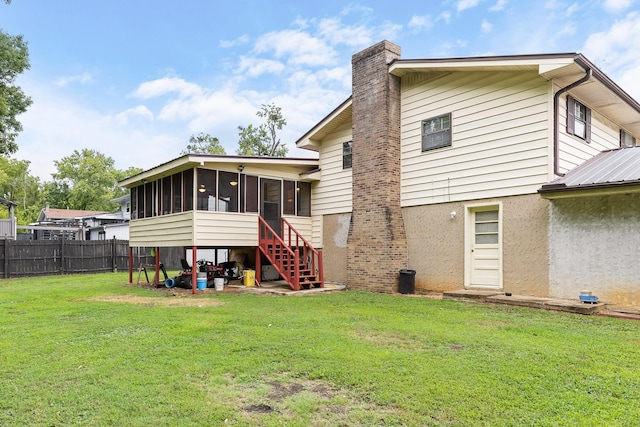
608,169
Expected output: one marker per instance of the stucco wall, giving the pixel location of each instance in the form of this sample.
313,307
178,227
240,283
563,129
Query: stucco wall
334,252
595,245
436,245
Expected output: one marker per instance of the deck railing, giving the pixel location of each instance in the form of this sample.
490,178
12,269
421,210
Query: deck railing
293,257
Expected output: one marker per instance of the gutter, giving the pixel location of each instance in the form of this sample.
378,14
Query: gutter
556,101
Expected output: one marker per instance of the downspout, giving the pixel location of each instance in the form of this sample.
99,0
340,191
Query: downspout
556,102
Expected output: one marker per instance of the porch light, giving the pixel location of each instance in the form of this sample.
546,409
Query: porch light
233,183
202,189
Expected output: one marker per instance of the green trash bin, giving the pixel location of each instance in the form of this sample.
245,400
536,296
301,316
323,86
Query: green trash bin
407,283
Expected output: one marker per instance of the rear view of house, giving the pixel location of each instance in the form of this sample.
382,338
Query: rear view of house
435,165
466,170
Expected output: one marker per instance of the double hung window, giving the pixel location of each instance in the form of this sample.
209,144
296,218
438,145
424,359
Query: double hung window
436,132
578,119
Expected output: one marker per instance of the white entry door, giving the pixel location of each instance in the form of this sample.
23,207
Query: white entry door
484,246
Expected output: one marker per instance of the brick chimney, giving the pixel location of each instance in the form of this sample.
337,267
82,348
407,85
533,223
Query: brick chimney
377,244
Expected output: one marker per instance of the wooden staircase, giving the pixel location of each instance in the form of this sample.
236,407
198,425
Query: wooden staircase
297,262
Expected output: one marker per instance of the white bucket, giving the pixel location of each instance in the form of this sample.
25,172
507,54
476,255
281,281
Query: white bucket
218,282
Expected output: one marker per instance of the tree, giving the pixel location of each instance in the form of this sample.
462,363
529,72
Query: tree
263,140
18,185
203,143
14,60
86,180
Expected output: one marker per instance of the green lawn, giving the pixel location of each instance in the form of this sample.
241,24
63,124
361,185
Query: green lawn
91,350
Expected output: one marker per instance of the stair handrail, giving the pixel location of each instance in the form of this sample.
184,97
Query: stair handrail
306,246
282,268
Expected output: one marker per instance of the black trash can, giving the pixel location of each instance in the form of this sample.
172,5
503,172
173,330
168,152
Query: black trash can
407,282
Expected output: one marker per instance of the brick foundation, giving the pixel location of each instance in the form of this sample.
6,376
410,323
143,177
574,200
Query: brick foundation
377,244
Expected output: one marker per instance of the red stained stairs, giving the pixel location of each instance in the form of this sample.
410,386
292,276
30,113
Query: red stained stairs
297,262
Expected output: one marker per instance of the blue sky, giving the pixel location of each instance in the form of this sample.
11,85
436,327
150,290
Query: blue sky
134,79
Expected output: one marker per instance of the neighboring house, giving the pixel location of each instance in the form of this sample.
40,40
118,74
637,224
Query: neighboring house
76,224
110,225
435,165
8,225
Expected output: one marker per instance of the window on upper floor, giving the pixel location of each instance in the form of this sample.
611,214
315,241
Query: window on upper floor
346,154
578,119
626,139
436,132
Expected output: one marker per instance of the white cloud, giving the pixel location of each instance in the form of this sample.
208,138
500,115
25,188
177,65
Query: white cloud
55,125
226,44
568,29
615,51
83,78
420,22
616,6
486,26
300,48
389,31
254,67
139,111
445,16
332,30
500,5
552,4
466,4
572,9
164,86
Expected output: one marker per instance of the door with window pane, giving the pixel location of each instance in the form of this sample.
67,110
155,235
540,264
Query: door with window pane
270,202
485,248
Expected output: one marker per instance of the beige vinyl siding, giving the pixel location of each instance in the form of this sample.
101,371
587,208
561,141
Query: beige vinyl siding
226,229
316,232
500,125
333,193
574,151
166,230
303,224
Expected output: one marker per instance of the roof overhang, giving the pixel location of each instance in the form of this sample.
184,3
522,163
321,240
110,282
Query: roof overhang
236,163
549,64
333,121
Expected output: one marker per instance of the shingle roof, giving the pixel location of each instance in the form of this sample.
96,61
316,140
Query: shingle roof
609,169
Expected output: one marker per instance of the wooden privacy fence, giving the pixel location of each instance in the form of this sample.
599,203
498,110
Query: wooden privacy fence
46,257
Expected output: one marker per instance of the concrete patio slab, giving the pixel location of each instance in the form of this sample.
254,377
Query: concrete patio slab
495,297
281,287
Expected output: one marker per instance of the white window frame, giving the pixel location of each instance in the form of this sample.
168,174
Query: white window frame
626,139
347,154
436,132
579,121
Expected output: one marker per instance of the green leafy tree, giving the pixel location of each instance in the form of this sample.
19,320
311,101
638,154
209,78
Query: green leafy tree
87,180
56,193
18,185
203,143
14,60
263,140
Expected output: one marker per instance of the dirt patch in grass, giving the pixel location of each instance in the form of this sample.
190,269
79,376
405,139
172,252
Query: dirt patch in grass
407,342
176,301
313,402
